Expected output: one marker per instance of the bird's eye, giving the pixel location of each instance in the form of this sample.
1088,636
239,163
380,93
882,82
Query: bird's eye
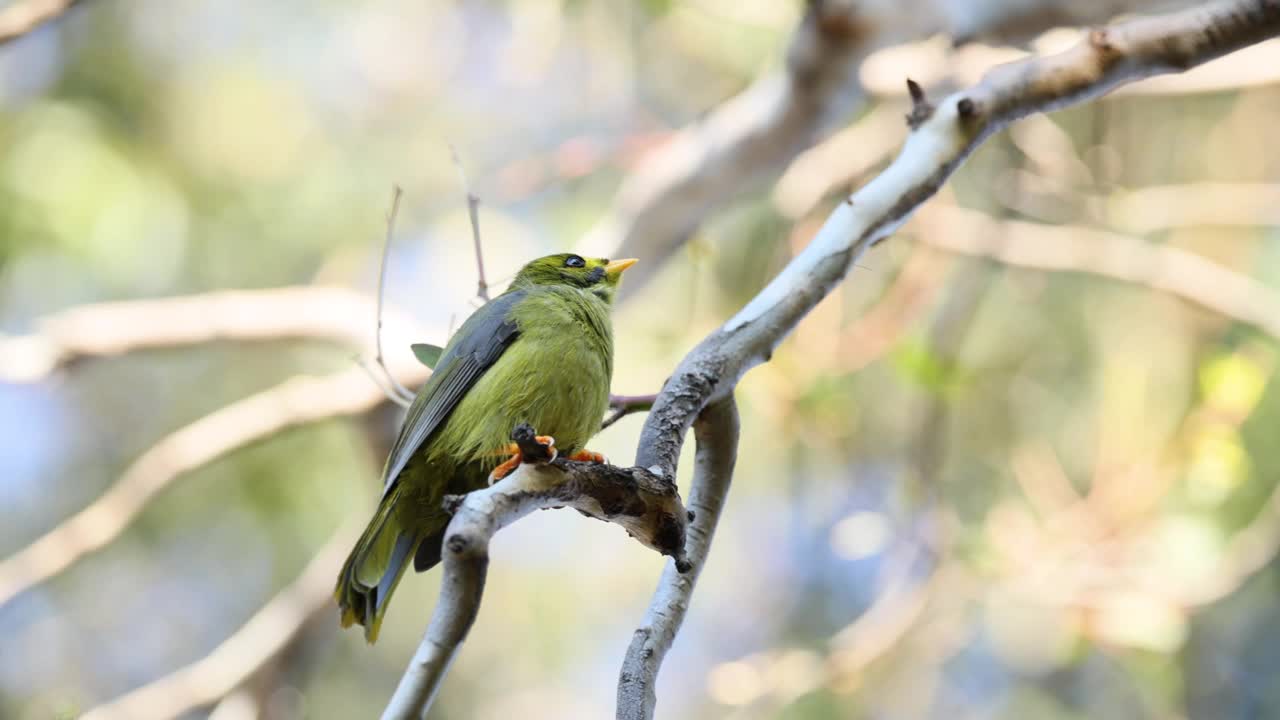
574,261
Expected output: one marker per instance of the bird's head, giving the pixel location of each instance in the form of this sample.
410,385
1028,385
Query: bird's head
598,276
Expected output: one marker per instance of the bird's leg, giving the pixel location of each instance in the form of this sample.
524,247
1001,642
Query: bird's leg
505,468
513,462
589,456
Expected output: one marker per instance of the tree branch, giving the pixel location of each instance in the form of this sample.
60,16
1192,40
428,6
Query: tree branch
398,393
743,144
1110,57
21,18
297,401
928,62
716,433
107,329
1162,268
938,145
473,214
748,141
241,655
624,405
646,506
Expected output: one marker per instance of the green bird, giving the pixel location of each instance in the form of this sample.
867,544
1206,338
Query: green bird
540,353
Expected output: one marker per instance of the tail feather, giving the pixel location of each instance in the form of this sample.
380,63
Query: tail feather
374,568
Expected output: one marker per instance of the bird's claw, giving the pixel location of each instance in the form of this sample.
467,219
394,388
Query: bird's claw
508,466
589,456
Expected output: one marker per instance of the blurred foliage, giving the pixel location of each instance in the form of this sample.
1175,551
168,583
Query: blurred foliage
1099,447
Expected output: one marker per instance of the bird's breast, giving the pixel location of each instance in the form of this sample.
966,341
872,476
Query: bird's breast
555,377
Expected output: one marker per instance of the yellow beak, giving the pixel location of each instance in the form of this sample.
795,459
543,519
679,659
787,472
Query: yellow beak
618,266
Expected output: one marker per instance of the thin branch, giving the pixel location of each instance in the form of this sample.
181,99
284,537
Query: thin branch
1162,207
382,380
647,507
935,149
473,212
929,61
21,18
109,329
716,434
297,401
242,654
1110,57
399,394
624,405
748,141
896,610
1164,268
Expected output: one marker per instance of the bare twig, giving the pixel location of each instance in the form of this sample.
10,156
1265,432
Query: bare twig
22,17
239,656
399,394
647,507
473,212
716,434
381,379
297,401
624,405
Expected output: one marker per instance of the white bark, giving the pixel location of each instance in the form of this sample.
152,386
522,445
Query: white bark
646,506
747,142
943,137
716,432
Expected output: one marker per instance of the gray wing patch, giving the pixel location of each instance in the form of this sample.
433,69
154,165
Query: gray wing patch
480,342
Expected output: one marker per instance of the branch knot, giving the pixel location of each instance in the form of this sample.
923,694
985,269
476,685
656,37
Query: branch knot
921,108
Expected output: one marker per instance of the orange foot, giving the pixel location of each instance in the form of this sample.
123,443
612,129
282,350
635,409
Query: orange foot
589,456
513,462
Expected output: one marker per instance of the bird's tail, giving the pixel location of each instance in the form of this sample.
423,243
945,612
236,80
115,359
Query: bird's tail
374,567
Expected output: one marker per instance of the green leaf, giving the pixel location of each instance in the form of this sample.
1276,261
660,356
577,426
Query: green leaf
427,353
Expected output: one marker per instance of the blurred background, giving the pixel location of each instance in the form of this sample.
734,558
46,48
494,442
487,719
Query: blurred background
1023,463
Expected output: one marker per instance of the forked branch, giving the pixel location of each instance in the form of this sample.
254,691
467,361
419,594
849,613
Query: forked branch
942,137
936,147
1106,59
716,433
646,506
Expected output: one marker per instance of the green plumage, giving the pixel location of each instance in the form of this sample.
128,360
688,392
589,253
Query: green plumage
540,353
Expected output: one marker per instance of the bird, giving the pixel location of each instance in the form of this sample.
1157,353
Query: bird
540,353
